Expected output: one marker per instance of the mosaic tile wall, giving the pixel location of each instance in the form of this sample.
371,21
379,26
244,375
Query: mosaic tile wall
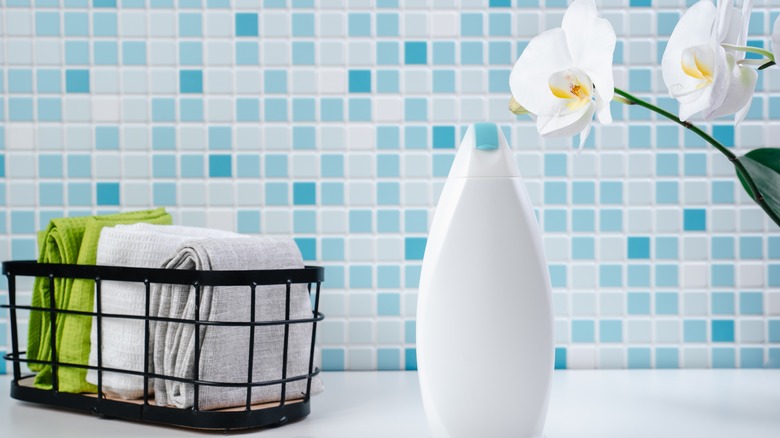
336,121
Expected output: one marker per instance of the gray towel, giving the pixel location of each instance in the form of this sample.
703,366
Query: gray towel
225,350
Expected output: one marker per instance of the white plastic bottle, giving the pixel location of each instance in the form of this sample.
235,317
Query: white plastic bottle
484,316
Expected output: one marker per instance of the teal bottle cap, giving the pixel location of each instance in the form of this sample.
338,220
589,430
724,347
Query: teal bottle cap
486,135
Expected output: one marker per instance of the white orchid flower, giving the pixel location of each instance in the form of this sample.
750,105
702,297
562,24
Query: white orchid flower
776,40
564,75
704,64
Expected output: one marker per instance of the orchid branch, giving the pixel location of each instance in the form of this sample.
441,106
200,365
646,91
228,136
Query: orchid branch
759,199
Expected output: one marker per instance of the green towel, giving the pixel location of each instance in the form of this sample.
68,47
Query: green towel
72,241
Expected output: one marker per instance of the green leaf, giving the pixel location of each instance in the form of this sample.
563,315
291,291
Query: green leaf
763,167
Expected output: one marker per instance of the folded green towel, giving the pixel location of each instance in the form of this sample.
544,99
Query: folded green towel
72,241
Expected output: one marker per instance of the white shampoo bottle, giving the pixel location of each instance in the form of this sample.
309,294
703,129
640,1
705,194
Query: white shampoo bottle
484,313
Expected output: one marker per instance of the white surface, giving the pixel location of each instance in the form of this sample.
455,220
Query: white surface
484,310
584,404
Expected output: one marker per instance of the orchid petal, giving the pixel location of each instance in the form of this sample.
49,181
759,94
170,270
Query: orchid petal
747,10
603,110
584,136
721,82
776,39
723,22
591,42
546,54
702,102
693,29
556,124
739,94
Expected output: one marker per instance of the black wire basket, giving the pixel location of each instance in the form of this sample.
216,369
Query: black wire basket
247,416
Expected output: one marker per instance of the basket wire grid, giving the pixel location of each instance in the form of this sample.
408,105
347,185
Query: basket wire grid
251,416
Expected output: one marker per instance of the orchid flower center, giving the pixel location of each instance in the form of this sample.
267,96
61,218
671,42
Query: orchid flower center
698,62
573,86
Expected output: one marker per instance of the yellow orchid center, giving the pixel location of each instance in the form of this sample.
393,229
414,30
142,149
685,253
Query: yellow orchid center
572,85
698,62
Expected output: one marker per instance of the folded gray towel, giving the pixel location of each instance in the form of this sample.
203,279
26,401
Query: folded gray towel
225,350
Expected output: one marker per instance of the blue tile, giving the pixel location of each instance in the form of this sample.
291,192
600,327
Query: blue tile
694,219
302,53
191,81
386,25
388,304
388,359
554,220
560,358
333,249
500,24
722,330
610,331
275,110
414,248
695,165
333,359
638,275
638,358
694,331
443,53
332,110
246,24
305,222
610,220
332,193
722,248
774,275
583,248
387,81
666,275
581,221
666,303
667,164
275,81
360,81
555,192
77,81
192,166
410,359
76,24
774,331
415,52
471,53
332,166
360,221
276,193
751,358
220,166
388,221
388,166
611,192
500,52
558,276
667,358
638,247
583,331
164,166
107,193
248,110
191,24
751,303
638,303
555,165
389,277
722,303
49,109
304,193
360,277
104,24
751,248
415,109
722,275
444,137
190,54
724,134
302,24
360,110
471,24
304,138
723,358
722,192
248,221
359,24
308,247
610,276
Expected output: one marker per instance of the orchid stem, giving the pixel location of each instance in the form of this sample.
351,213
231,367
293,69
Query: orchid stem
754,192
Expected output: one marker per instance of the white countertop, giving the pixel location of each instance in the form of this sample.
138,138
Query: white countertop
584,404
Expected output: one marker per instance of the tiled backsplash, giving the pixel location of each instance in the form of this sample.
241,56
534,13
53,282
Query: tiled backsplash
336,121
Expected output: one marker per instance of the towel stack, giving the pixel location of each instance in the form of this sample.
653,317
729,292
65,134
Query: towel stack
72,241
135,239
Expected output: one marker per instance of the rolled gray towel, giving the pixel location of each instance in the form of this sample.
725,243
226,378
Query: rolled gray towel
225,350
